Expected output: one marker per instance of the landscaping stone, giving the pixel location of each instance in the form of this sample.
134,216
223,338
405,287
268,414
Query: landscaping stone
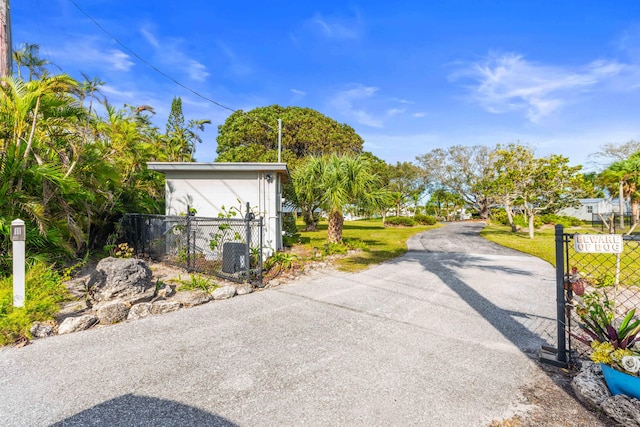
623,409
41,329
139,311
163,306
224,292
589,385
192,298
112,312
244,288
75,324
165,291
124,279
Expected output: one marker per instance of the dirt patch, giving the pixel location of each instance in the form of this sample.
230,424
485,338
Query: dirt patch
554,404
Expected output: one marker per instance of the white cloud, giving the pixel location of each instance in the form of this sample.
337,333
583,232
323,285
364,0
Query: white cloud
298,92
89,53
337,28
509,83
346,100
395,111
197,71
119,60
153,41
419,114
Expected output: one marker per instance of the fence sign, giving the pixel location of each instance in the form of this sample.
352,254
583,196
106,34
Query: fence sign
598,243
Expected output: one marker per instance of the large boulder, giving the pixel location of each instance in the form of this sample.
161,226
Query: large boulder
128,280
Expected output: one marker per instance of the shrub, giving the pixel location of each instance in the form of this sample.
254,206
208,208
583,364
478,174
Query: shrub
567,221
403,221
44,291
289,224
425,219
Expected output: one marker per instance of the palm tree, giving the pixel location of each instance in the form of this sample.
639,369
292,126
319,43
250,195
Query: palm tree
625,175
340,181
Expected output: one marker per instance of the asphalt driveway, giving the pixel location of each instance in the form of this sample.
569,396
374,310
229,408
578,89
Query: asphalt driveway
445,335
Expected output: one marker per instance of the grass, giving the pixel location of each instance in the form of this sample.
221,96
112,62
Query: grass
44,293
599,268
379,243
542,246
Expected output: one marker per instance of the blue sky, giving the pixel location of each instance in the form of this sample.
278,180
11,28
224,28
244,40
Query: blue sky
409,76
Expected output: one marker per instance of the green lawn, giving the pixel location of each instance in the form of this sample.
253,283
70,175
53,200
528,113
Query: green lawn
542,246
599,268
380,243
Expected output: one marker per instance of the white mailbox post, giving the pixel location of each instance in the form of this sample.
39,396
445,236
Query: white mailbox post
18,234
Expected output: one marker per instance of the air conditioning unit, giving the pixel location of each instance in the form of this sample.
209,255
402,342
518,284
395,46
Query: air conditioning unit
234,257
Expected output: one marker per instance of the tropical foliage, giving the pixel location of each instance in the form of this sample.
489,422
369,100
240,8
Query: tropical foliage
69,169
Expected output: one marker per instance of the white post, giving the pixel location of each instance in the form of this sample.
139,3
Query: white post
18,232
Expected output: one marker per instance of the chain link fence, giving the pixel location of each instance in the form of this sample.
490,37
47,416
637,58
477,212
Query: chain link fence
230,248
595,275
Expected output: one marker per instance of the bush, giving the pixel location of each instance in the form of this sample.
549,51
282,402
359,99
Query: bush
403,221
44,292
289,224
425,219
567,221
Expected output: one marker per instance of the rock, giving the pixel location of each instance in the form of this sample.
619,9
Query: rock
589,385
192,298
112,312
75,324
139,311
244,289
128,280
163,306
165,291
623,409
224,292
41,329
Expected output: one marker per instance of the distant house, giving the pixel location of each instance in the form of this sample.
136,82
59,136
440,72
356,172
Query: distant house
213,188
590,208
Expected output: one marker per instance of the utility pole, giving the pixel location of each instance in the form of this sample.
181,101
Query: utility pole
5,39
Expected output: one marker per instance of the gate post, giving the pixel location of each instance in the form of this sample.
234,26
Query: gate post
558,356
249,216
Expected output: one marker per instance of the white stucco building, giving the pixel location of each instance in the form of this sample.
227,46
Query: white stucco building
212,188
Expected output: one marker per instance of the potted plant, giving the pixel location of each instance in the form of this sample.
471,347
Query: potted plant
614,342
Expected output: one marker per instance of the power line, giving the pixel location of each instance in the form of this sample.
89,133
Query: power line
157,70
148,63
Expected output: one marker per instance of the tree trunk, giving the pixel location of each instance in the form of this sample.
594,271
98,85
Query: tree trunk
483,212
309,222
531,216
507,208
334,229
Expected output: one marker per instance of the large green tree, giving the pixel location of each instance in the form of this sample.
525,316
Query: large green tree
252,136
406,181
539,185
465,170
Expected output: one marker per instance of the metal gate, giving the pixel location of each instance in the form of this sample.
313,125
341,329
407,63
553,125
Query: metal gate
612,277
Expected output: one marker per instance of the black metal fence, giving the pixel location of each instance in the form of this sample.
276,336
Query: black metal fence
588,271
610,218
230,248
